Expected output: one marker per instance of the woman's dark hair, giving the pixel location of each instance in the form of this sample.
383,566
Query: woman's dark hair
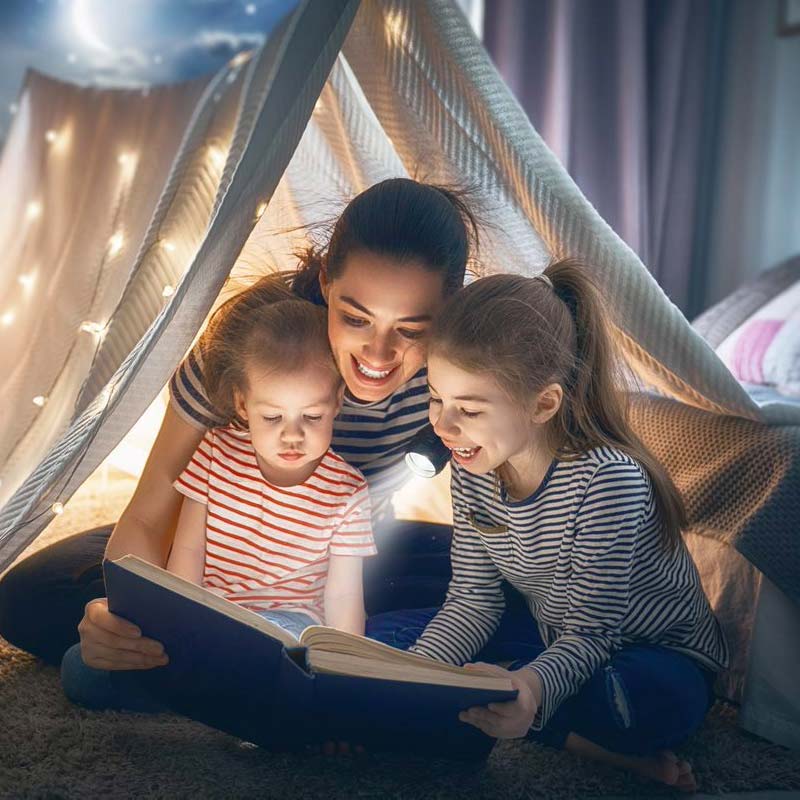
401,218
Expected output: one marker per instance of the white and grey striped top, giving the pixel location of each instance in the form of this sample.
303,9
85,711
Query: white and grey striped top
369,436
584,551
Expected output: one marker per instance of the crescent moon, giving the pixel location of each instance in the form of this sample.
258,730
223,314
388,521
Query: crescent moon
82,20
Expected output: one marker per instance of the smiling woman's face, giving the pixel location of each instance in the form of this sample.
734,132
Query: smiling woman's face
379,314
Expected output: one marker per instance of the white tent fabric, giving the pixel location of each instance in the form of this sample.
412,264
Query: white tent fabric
271,146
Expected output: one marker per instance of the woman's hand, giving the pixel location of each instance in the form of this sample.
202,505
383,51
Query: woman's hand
510,720
110,642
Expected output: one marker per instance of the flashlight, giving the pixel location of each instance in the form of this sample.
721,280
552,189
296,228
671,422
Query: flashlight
426,456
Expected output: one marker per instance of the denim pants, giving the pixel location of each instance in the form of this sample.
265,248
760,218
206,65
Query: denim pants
120,690
645,699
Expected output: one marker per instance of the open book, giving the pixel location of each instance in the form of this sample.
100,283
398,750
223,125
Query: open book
235,670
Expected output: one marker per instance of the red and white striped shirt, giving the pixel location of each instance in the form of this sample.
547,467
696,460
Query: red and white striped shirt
268,546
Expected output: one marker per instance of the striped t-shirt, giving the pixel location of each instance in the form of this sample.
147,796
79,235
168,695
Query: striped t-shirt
268,546
370,436
584,551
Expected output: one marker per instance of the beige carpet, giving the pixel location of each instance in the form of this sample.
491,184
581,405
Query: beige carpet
50,749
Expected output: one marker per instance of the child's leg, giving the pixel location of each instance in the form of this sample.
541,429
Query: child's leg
516,638
633,711
102,689
294,622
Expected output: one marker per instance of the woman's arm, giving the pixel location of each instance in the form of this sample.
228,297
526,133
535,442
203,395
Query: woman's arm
344,594
147,525
145,529
188,556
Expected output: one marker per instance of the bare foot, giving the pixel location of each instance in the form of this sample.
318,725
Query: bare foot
664,767
667,768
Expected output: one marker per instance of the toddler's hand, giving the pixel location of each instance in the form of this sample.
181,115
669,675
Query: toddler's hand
504,720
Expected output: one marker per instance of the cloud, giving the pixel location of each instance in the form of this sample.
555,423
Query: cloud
222,44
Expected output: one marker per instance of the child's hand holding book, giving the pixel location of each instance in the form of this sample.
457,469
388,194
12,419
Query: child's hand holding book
511,720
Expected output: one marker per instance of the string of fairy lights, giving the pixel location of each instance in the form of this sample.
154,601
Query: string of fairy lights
216,156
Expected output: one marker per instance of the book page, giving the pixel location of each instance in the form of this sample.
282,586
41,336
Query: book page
339,664
330,640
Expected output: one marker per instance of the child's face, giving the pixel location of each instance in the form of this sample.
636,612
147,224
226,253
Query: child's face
483,427
290,417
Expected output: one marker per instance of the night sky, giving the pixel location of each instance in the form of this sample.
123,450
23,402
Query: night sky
125,42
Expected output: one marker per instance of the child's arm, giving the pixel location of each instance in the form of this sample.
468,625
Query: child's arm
344,594
188,556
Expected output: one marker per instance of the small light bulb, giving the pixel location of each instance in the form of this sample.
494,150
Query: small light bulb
168,291
57,508
7,319
240,58
217,157
115,244
33,209
39,400
92,327
51,136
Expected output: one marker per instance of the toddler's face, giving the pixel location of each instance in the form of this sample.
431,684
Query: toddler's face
482,426
290,417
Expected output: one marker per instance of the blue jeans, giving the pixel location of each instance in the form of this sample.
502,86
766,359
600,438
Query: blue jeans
120,690
645,699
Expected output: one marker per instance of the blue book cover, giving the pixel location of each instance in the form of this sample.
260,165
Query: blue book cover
233,670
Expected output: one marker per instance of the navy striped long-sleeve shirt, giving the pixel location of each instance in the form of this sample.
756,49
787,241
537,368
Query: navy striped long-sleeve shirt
585,552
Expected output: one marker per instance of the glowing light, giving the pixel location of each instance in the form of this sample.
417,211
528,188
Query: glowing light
168,245
240,58
115,244
395,24
93,327
57,508
127,163
39,400
51,136
7,319
27,280
168,291
33,210
250,9
217,157
260,209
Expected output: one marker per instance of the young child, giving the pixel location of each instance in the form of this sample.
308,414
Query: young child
272,518
554,493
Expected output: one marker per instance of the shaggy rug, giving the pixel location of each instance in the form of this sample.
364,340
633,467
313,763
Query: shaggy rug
50,749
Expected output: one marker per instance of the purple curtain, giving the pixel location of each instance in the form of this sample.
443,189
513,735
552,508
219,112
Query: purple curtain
625,92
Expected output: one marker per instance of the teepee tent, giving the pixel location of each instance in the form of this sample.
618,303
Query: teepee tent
128,212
